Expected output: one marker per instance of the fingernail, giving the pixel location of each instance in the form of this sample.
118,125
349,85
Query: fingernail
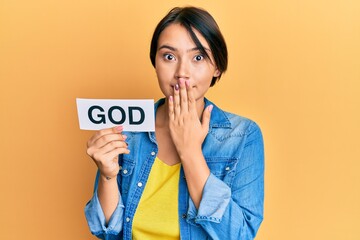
119,128
124,137
187,83
210,108
177,87
171,98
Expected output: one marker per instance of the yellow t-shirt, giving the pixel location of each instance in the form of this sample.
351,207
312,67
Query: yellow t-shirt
157,216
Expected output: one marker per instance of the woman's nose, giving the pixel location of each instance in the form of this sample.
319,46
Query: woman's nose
182,70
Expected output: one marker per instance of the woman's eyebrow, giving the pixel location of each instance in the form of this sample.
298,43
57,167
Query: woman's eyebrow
190,50
198,49
168,47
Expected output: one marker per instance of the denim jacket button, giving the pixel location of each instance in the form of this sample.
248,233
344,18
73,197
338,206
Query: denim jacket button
127,219
184,215
139,184
152,153
125,171
227,168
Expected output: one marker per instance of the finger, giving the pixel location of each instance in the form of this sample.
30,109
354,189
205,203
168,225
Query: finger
171,107
102,141
183,97
107,131
176,100
113,155
99,134
205,120
190,97
111,146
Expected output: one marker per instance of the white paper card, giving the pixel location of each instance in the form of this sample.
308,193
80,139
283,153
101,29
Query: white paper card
135,115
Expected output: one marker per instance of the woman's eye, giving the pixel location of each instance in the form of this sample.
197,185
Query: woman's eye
169,57
199,58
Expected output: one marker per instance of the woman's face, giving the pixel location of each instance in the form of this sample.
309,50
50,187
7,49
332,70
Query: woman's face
177,57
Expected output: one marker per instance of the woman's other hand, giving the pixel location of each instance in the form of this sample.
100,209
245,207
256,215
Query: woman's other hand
186,129
104,148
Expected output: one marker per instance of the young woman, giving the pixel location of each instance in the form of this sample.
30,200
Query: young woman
200,175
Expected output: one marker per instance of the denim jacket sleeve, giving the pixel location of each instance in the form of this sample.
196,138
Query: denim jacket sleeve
96,218
235,211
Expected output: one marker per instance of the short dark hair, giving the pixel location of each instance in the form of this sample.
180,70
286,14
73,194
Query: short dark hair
199,19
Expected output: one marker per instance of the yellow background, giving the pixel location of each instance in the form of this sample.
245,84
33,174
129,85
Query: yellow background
294,68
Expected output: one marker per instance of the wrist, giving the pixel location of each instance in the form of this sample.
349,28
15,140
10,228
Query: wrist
105,178
190,154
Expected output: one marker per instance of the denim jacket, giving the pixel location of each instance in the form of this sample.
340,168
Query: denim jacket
232,201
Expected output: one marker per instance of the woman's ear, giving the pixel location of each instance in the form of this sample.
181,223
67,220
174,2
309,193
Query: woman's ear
217,73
